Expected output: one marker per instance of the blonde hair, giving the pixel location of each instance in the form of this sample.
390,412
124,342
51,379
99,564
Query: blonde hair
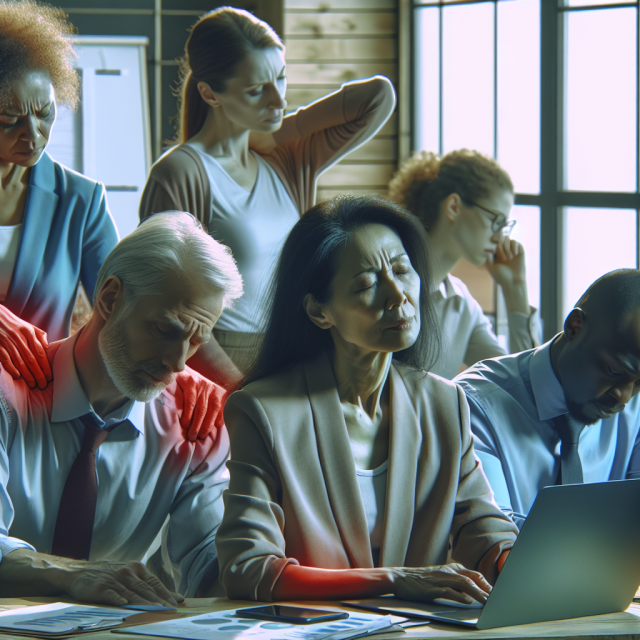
218,42
425,180
37,36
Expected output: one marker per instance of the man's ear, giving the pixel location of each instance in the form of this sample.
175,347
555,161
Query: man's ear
207,94
575,324
452,206
315,312
110,292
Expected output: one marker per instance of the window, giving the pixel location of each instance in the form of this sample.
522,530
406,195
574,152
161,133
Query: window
550,89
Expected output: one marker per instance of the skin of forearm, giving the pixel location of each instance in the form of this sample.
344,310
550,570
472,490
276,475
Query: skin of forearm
213,363
517,298
27,573
311,583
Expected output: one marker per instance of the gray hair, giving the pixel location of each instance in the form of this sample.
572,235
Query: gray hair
172,243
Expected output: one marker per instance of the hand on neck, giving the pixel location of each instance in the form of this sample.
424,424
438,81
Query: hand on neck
102,394
360,375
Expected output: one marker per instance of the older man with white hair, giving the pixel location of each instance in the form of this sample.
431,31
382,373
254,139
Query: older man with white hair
91,466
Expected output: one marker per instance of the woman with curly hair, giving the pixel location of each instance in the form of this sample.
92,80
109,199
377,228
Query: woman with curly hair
243,169
55,227
463,200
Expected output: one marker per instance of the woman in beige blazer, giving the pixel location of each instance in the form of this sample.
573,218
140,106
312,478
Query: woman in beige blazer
352,471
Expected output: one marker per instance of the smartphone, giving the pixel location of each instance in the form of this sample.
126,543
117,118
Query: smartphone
296,615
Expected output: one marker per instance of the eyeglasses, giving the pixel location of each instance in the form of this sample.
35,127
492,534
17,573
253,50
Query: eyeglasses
498,221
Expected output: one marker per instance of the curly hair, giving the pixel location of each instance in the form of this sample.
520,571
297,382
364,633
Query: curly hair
425,180
37,36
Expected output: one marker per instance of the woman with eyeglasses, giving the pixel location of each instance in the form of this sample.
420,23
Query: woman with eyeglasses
464,199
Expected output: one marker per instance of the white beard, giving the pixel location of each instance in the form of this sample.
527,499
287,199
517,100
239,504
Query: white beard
116,355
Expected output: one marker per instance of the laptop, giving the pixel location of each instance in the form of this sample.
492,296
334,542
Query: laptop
578,554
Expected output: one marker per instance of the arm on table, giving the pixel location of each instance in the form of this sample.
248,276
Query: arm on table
195,516
480,531
251,544
25,572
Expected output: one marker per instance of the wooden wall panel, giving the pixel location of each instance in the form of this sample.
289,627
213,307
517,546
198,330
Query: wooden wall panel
334,41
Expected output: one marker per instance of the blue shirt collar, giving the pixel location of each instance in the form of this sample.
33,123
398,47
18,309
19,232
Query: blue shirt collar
69,399
547,390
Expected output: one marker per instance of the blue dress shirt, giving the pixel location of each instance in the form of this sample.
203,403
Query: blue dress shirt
67,233
513,401
146,469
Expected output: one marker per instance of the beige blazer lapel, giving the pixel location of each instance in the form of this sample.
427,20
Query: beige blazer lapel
337,463
404,446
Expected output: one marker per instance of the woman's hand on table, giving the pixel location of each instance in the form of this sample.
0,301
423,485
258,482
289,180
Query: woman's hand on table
451,581
23,350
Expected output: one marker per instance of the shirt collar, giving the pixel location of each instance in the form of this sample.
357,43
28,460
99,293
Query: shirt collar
69,399
547,390
447,289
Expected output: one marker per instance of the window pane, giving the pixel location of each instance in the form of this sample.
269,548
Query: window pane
519,92
596,241
601,100
527,232
467,68
588,3
427,80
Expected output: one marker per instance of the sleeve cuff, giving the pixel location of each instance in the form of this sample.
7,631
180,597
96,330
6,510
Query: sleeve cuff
8,544
524,330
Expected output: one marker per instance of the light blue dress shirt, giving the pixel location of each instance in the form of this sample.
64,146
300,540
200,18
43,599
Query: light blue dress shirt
67,233
146,469
513,401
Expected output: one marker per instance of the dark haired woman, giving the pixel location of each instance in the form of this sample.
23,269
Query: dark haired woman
464,200
55,228
245,171
352,468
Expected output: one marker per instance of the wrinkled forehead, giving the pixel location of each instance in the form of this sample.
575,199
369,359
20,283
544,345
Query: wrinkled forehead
32,87
182,304
369,245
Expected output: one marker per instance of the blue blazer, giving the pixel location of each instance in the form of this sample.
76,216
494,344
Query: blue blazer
67,233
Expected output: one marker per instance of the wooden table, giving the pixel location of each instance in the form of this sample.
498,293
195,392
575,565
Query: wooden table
615,626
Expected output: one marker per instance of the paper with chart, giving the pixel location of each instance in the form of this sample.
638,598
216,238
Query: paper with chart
58,617
225,625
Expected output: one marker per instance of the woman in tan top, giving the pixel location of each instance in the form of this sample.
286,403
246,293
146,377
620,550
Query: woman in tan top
245,171
464,200
352,471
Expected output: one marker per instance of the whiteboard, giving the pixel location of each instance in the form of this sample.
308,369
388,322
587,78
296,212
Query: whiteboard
108,137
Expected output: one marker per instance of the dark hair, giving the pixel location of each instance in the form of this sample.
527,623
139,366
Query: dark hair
218,42
425,180
308,264
612,297
37,36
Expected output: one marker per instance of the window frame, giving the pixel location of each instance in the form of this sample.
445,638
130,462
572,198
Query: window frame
553,197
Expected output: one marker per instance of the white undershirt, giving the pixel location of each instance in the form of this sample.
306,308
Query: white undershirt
9,244
254,225
373,491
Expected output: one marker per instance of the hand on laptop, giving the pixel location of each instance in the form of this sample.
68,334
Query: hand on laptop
451,581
